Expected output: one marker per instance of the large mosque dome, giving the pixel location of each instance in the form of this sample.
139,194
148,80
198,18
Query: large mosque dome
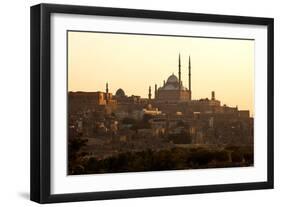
171,84
172,79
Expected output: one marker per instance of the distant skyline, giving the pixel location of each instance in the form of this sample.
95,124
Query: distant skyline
135,62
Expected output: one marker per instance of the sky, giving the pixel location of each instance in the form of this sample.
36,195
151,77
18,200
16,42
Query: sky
134,62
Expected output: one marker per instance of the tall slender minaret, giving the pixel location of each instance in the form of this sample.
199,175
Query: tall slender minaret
106,92
189,77
179,71
106,87
189,74
155,91
149,93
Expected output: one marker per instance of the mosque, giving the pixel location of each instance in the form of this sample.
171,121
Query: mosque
173,90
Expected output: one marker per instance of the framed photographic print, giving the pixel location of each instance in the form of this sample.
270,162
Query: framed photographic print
133,103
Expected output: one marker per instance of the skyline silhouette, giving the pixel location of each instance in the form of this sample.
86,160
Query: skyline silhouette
135,62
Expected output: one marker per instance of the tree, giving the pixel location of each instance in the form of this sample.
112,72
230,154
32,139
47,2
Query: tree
74,154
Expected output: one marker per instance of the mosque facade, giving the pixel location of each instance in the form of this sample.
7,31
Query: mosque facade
173,90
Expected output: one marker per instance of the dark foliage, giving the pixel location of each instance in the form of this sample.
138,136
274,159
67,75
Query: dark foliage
168,159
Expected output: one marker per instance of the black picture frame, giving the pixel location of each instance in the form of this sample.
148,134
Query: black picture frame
41,96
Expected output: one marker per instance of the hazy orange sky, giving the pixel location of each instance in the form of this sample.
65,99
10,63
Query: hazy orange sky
135,62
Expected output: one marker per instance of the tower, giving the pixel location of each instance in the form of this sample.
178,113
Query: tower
155,91
106,88
149,93
213,95
179,71
106,93
189,74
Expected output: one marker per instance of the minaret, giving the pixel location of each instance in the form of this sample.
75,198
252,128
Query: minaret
189,77
213,96
106,93
149,93
189,74
155,91
179,71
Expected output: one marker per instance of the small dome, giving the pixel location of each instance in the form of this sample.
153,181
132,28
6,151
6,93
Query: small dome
120,93
173,79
